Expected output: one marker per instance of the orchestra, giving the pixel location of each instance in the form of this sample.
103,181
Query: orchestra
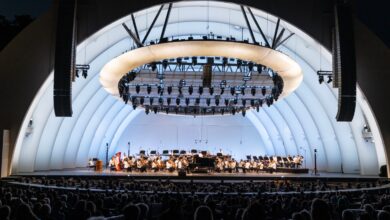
193,162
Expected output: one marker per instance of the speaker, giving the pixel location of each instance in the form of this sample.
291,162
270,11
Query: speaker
344,62
64,62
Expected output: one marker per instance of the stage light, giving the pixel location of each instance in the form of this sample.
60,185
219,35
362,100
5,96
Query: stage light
142,100
200,90
226,102
167,110
165,64
137,88
253,91
194,61
250,66
232,90
243,102
197,101
77,73
252,102
257,108
217,101
243,90
204,110
233,111
320,79
213,110
133,100
224,61
222,111
149,89
208,101
169,90
235,101
243,112
151,100
185,110
263,91
155,110
211,90
180,90
187,101
261,102
222,90
154,66
177,101
179,61
147,110
190,90
85,73
160,90
239,63
259,68
329,79
194,111
134,107
160,100
169,100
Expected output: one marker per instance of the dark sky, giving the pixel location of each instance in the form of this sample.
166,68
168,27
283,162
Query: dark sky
9,8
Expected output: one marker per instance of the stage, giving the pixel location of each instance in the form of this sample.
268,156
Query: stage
90,173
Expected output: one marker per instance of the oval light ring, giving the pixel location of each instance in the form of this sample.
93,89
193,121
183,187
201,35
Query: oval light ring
287,68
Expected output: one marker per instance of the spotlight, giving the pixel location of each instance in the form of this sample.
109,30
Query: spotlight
134,100
169,100
160,90
261,102
329,79
211,90
178,60
185,110
235,101
197,101
176,110
180,90
147,110
155,110
134,106
154,66
243,90
244,102
232,90
222,90
217,102
253,91
213,110
204,110
250,66
243,112
77,73
263,91
224,61
149,89
177,101
257,108
194,61
252,102
142,100
226,102
165,64
187,101
320,79
151,100
190,90
239,63
259,68
167,110
200,90
169,90
160,100
222,111
137,88
85,73
208,101
233,111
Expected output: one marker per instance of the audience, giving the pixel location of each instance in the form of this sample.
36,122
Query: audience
137,200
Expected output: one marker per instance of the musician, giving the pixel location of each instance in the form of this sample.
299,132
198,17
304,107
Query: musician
233,166
247,166
155,165
170,165
296,161
111,163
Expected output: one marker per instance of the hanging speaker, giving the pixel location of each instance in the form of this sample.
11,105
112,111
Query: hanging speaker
344,62
65,56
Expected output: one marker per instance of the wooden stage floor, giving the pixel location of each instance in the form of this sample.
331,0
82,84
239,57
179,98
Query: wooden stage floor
212,176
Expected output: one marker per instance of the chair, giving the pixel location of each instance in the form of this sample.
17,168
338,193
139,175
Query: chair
193,151
142,152
175,152
183,152
153,152
165,152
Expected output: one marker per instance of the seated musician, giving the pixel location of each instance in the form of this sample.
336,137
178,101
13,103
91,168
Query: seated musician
232,166
111,163
155,165
247,166
296,161
170,165
254,166
126,165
